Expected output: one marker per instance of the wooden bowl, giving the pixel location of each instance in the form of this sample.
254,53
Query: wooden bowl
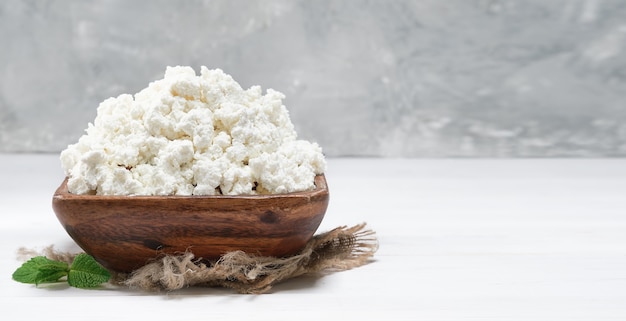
125,232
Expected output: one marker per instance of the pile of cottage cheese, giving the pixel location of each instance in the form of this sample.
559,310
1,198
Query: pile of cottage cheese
192,135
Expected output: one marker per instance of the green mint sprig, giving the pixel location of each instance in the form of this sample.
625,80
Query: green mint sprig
84,272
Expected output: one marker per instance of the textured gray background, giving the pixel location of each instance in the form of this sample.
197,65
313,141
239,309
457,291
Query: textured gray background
424,78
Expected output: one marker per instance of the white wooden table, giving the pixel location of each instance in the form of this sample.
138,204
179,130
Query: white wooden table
459,240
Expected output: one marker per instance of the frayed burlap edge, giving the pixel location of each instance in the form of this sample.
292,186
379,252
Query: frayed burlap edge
340,249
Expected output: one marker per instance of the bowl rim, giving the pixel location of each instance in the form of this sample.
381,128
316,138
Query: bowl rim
321,188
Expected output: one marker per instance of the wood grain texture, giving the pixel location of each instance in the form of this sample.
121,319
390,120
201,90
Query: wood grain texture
124,232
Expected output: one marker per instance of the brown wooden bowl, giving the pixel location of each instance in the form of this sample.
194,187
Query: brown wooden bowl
125,232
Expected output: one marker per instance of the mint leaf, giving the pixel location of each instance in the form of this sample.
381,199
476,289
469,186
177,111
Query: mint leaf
85,272
40,269
48,276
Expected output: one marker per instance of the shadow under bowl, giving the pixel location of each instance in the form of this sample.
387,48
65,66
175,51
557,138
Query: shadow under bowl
123,233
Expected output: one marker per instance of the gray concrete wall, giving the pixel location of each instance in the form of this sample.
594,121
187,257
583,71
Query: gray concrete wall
424,78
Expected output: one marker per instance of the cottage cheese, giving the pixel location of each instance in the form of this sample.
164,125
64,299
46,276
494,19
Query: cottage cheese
192,135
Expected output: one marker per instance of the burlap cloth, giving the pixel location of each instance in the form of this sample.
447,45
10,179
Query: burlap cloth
340,249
